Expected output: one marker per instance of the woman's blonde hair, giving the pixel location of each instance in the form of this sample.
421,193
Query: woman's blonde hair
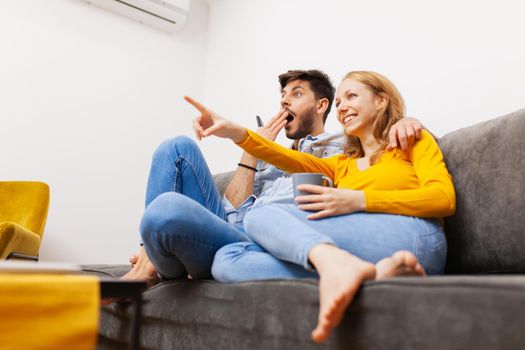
392,112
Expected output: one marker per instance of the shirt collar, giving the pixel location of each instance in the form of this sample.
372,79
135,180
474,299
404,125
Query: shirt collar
309,139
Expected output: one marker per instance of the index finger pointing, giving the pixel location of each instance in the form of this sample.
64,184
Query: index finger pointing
195,104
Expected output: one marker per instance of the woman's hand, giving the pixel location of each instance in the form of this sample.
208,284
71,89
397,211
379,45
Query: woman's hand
210,123
274,126
328,201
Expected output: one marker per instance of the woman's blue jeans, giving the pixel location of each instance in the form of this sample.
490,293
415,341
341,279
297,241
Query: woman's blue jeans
282,237
184,221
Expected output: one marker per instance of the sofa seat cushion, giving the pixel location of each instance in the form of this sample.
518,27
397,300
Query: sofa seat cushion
444,312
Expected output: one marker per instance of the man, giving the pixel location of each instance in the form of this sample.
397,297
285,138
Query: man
186,221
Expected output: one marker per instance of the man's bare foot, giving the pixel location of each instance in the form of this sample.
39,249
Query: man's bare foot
341,275
142,269
133,259
401,263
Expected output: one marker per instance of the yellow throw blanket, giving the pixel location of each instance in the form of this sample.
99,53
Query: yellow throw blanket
39,311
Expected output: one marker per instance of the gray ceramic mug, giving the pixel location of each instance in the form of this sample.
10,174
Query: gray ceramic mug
310,179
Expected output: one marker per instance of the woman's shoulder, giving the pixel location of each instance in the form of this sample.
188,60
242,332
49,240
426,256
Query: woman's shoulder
426,141
426,146
427,138
426,135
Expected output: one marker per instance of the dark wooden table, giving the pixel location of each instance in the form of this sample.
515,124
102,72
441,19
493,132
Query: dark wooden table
132,290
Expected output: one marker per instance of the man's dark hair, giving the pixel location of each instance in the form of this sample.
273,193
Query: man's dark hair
319,83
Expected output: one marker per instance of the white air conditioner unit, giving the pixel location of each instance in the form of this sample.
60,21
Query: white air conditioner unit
167,15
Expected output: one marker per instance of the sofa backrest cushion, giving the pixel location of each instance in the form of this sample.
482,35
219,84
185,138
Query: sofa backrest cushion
487,162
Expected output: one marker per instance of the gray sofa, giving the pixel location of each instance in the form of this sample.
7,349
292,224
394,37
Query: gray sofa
478,304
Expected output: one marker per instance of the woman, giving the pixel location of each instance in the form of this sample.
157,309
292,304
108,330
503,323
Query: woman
328,232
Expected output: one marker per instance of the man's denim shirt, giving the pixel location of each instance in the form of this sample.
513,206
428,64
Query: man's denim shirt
272,185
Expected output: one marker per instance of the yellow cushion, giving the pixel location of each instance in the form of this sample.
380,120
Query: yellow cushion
48,311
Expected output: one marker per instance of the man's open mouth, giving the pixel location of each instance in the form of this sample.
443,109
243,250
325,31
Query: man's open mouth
290,117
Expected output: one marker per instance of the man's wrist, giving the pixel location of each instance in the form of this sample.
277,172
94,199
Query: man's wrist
248,159
242,165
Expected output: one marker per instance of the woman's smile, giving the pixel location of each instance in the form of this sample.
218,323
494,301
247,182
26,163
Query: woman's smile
348,119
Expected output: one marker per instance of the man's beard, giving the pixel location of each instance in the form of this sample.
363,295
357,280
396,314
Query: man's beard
305,127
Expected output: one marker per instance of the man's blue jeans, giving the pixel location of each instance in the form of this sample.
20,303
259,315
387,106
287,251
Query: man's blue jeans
184,221
282,237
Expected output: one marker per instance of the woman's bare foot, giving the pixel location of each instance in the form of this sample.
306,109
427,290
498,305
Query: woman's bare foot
142,269
341,275
401,263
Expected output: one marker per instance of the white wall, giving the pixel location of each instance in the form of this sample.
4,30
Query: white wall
455,62
85,97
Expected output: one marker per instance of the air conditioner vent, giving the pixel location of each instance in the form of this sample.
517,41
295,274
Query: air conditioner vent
168,15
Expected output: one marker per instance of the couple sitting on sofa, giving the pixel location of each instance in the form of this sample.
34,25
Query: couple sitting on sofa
386,209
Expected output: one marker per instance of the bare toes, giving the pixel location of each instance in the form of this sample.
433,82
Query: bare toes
321,332
133,259
405,258
401,263
420,270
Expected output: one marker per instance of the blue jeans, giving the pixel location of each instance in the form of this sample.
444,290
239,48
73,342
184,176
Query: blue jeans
184,221
282,237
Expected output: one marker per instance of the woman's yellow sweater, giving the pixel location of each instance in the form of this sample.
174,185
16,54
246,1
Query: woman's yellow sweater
418,185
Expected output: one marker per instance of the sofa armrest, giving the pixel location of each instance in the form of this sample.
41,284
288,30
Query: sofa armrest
17,239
